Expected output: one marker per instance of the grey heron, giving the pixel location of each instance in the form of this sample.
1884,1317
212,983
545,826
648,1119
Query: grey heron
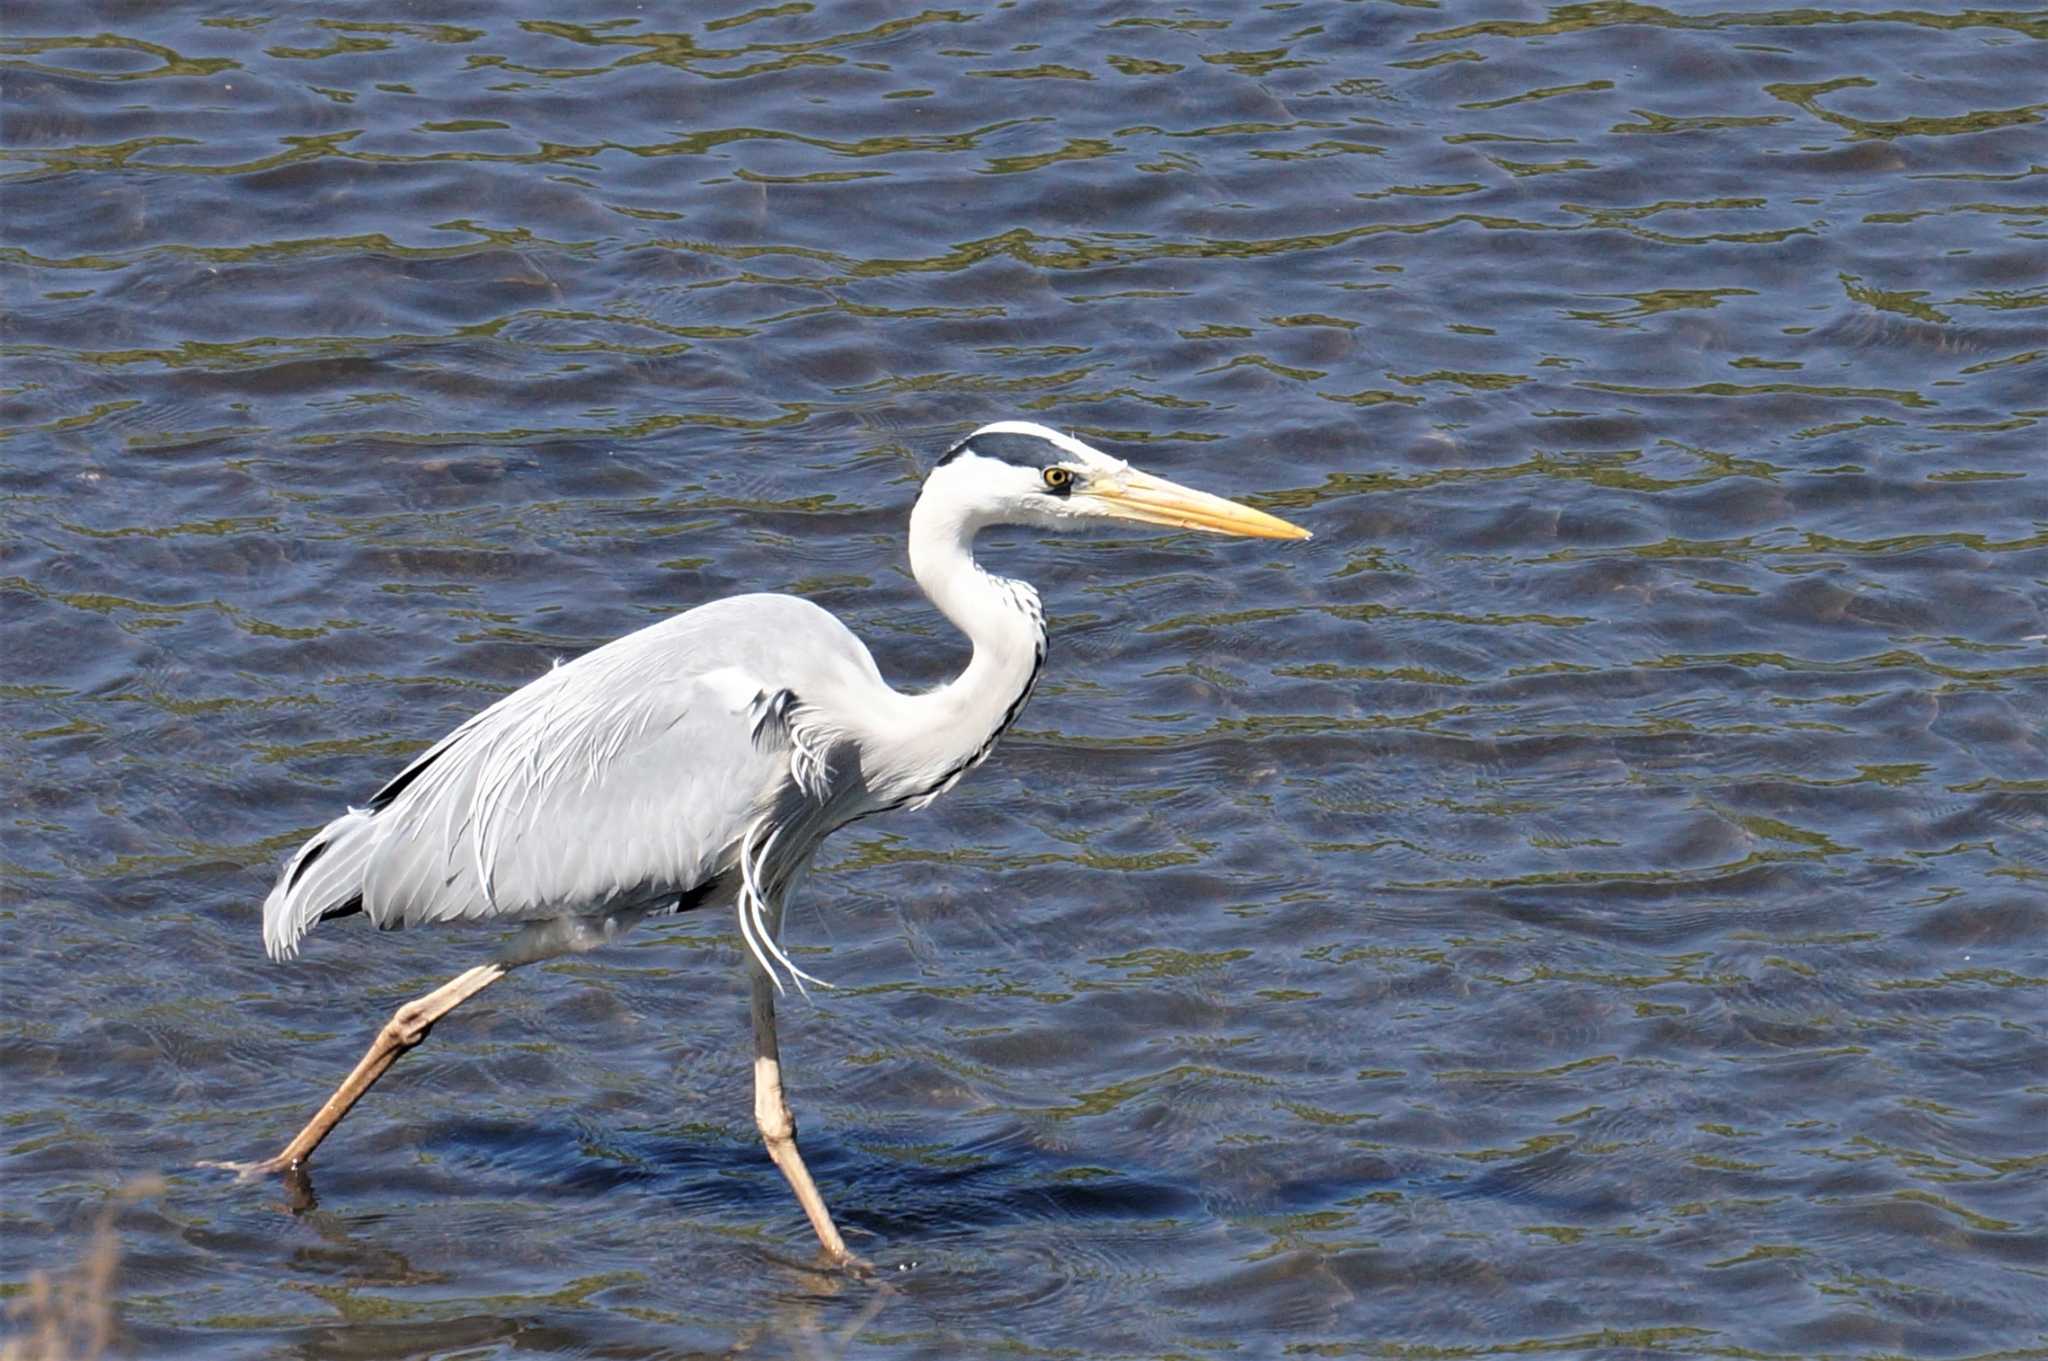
700,761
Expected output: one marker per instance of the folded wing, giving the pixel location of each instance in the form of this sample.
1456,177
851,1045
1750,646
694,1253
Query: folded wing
623,778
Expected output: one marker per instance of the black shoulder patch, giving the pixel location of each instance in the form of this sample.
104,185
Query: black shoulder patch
313,853
388,795
347,909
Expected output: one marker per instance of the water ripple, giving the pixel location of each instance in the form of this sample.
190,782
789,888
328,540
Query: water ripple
1585,902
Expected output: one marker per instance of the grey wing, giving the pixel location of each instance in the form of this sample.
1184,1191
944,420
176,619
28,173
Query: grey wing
624,777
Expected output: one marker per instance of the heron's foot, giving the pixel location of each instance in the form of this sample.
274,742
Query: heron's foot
299,1195
850,1262
245,1172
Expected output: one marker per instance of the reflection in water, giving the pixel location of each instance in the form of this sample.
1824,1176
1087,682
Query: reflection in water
1588,904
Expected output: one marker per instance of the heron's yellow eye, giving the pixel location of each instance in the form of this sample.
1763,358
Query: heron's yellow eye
1058,478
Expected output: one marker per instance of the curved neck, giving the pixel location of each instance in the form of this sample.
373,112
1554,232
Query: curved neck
958,723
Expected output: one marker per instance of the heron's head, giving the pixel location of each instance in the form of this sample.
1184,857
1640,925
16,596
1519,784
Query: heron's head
1018,472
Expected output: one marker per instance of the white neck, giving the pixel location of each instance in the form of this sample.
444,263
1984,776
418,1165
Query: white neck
953,727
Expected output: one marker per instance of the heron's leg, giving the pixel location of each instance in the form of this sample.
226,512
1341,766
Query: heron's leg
778,1127
406,1028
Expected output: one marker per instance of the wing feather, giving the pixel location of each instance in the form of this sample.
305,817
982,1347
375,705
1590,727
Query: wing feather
624,778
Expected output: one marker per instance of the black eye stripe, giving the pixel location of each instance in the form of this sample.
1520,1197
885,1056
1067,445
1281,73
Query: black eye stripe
1015,448
1026,450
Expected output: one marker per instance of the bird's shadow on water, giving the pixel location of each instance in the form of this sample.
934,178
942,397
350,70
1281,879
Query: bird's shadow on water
466,1243
991,1236
902,1207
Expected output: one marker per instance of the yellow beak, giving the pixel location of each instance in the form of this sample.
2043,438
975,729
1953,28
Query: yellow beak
1132,495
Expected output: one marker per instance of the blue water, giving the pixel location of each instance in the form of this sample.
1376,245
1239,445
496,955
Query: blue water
1588,901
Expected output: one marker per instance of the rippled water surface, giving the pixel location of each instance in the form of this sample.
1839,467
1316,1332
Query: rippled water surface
1588,901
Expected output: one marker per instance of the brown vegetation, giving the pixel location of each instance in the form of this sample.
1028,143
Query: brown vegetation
70,1315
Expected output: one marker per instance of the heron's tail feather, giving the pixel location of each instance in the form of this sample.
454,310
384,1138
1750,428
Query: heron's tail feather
325,879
